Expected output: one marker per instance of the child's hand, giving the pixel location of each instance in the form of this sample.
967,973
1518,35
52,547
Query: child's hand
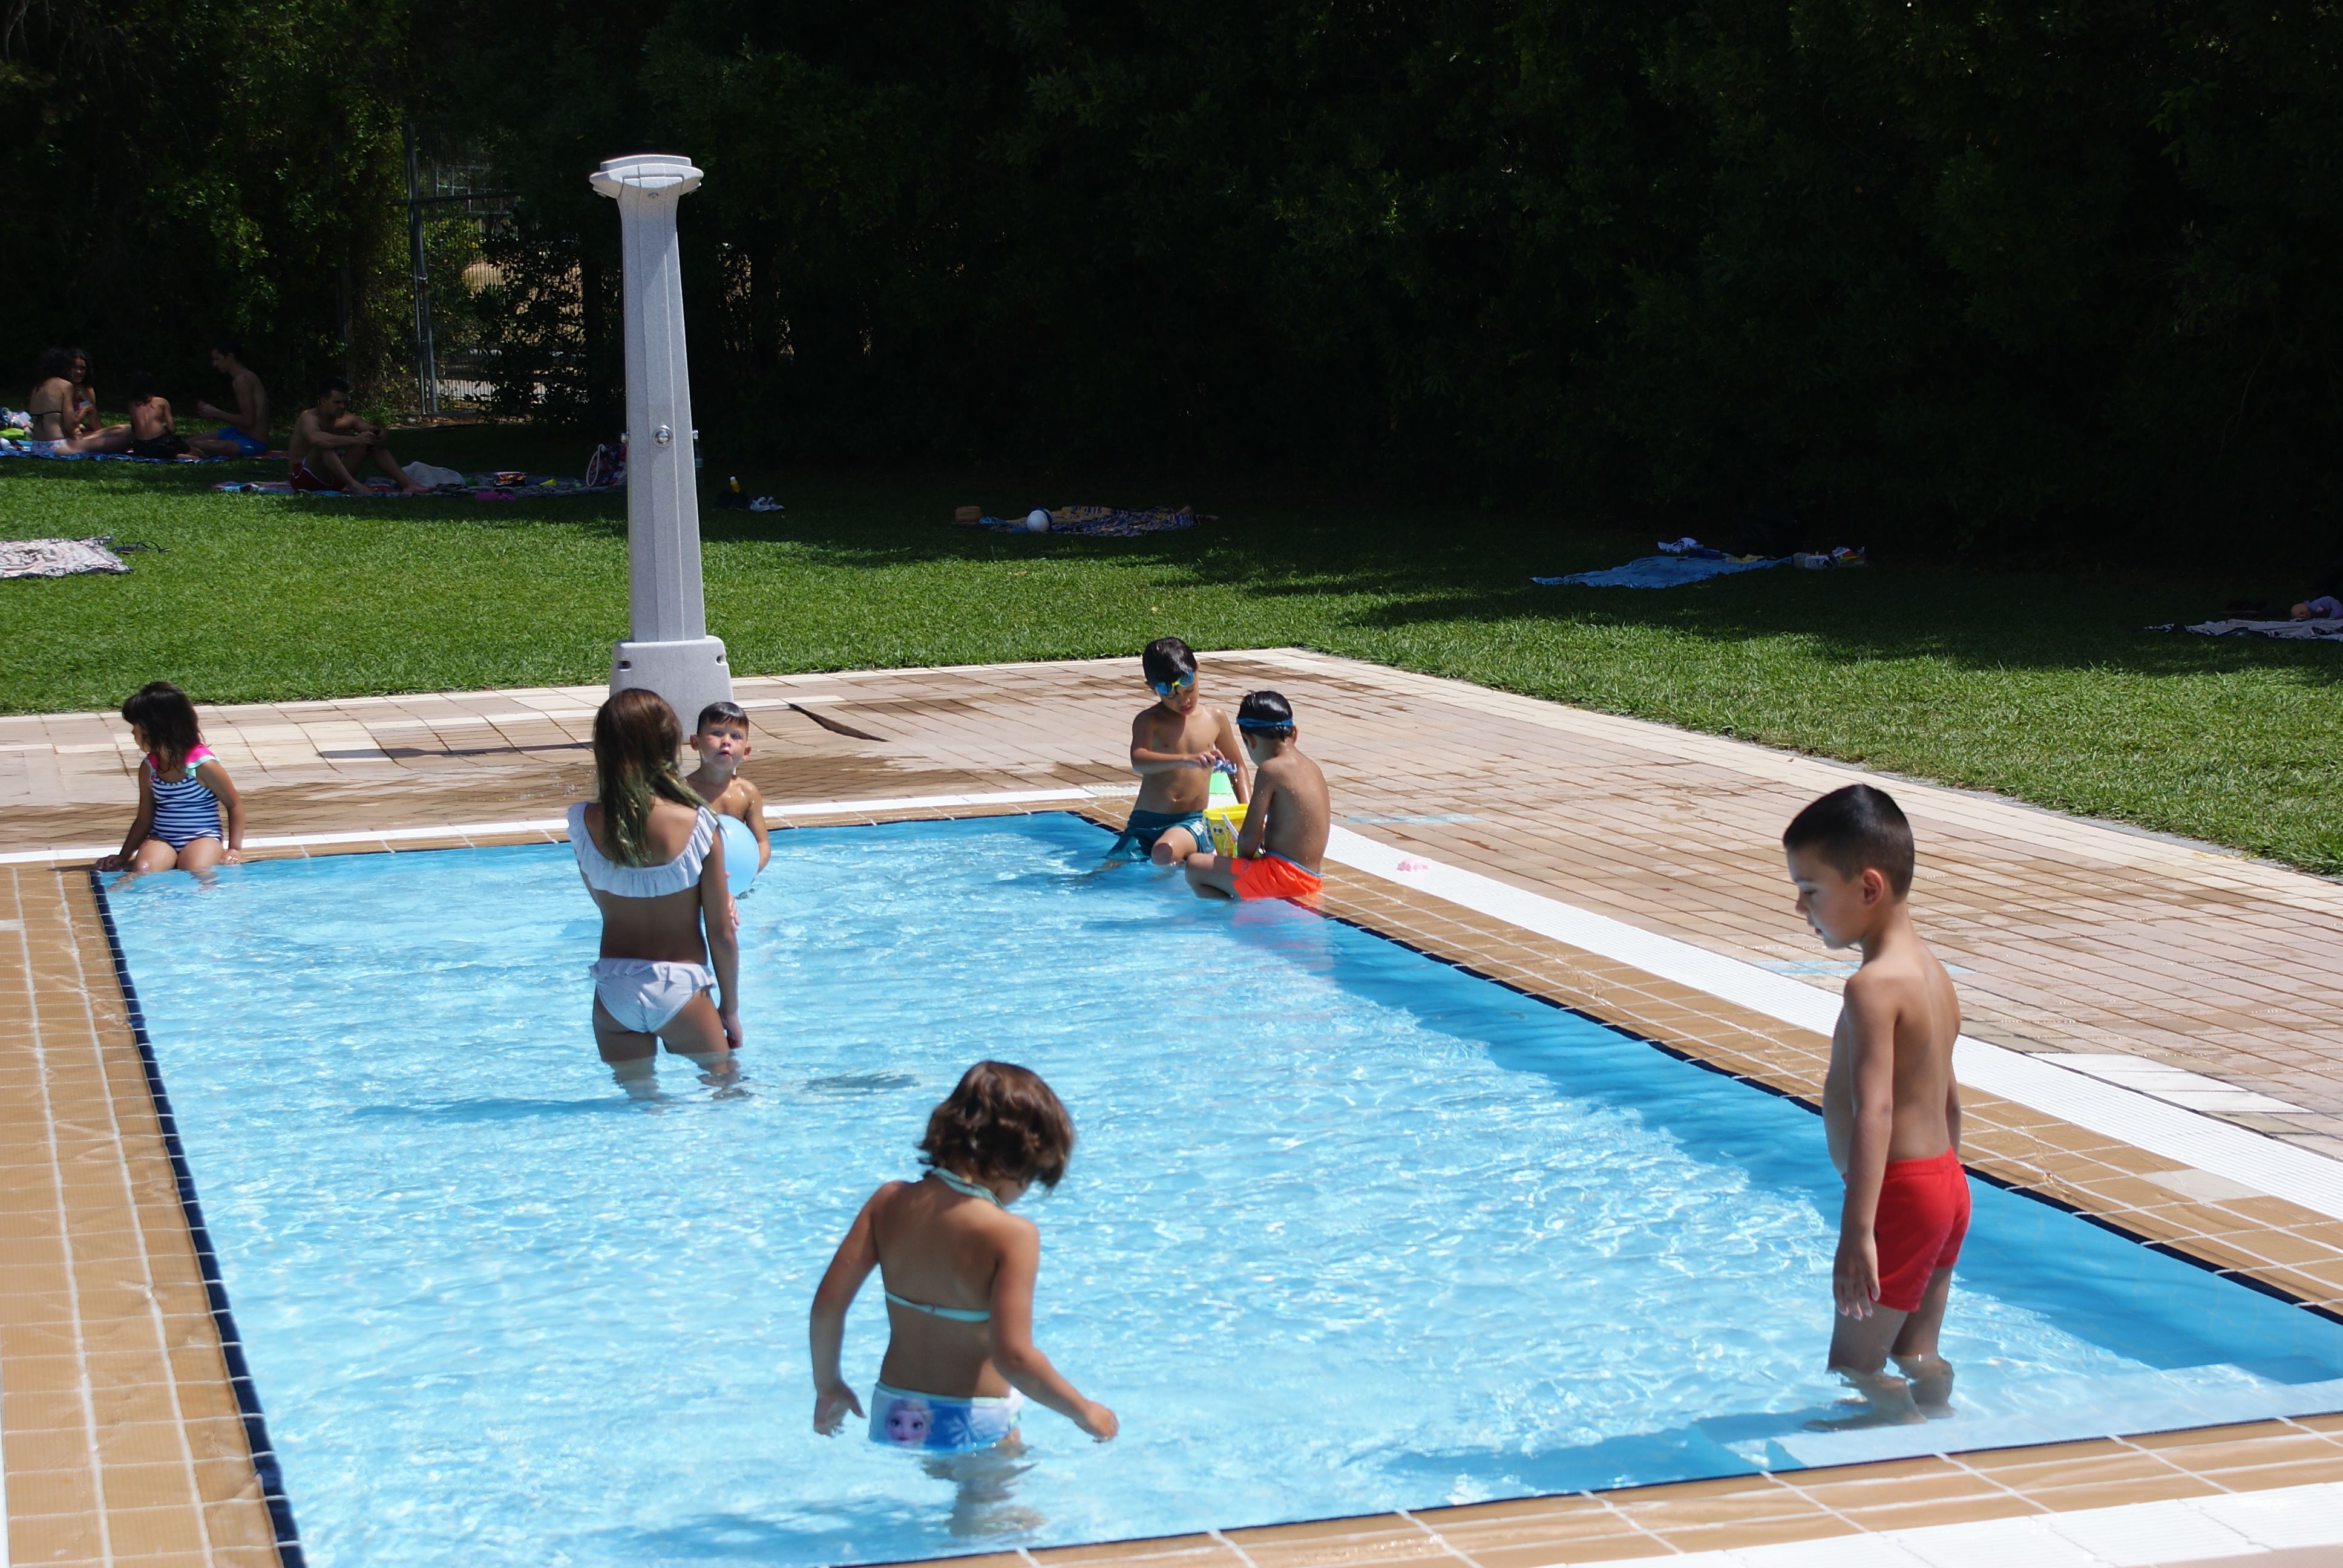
1099,1422
1208,759
831,1405
729,1016
231,857
1855,1277
108,863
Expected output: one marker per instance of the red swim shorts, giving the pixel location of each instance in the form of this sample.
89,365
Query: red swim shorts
1274,877
1923,1212
303,480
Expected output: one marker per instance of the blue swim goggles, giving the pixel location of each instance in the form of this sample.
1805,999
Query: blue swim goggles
1166,688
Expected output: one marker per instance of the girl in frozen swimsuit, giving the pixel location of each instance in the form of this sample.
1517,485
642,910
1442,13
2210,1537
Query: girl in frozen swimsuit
957,1269
651,855
182,790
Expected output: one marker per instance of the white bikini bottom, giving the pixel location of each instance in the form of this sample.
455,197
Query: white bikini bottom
644,994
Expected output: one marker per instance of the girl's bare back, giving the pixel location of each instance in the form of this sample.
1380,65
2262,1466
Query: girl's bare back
940,1248
666,928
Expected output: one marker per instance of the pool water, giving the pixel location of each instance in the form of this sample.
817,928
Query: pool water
1347,1230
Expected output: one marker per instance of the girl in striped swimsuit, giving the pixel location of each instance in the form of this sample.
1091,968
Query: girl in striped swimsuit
182,788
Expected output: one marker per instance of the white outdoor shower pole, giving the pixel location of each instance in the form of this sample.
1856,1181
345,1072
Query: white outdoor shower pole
667,649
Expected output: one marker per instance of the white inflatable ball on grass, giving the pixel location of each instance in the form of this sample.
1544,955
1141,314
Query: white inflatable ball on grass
1037,521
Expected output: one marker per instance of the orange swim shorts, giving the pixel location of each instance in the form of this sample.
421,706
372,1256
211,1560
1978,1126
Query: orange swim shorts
1923,1215
1274,877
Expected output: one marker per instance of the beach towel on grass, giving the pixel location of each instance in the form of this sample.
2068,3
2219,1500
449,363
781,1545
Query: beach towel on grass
19,449
1103,522
2291,630
58,557
480,488
1657,572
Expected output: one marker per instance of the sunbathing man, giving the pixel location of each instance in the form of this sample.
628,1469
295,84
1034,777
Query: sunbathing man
65,416
323,434
246,435
153,432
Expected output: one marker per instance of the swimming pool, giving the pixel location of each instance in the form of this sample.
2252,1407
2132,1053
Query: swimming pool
1347,1230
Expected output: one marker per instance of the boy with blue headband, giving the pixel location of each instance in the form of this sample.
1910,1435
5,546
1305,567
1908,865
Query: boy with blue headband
1176,746
1284,845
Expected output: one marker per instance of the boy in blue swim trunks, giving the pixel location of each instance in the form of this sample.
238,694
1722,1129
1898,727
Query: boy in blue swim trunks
1176,746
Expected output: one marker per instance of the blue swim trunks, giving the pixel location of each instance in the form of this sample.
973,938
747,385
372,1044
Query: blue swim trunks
1138,840
244,443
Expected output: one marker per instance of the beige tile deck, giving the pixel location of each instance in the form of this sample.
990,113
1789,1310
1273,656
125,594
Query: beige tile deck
122,1436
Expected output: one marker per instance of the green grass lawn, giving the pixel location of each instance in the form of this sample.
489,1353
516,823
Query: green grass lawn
2037,684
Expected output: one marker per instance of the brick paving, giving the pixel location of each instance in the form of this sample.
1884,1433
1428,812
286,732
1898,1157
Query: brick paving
122,1438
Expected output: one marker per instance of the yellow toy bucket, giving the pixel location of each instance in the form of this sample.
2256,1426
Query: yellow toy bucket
1226,823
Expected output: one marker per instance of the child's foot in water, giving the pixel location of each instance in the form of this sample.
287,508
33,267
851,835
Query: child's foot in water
1931,1380
1882,1399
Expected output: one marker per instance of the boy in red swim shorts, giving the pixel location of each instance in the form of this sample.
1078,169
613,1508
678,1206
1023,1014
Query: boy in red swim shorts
1891,1112
1287,819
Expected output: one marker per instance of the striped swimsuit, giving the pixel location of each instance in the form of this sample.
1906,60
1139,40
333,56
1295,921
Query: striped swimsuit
186,810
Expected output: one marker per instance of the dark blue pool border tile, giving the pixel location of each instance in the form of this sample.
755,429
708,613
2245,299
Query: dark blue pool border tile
239,1376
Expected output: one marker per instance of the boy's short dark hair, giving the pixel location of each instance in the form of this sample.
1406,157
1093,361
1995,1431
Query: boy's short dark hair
231,347
721,713
143,385
1166,660
1000,1122
333,384
1854,829
1265,713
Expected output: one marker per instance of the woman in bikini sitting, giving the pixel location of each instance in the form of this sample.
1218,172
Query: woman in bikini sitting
651,855
65,412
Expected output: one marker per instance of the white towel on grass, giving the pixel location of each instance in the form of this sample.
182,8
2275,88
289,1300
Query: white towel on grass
58,557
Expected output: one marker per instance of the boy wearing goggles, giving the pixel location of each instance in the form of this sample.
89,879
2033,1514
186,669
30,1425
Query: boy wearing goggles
1177,744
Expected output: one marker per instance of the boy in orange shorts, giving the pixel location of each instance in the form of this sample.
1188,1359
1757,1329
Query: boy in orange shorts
1287,823
1891,1112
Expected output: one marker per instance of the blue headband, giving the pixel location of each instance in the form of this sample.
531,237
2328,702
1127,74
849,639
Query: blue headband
1264,724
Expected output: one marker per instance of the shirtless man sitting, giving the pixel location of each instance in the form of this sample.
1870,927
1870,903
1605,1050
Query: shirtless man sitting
154,433
64,412
246,435
330,444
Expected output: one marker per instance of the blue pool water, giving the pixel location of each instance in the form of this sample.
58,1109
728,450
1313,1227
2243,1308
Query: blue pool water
1347,1230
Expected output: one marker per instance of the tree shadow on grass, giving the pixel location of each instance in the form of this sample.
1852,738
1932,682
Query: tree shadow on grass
1407,571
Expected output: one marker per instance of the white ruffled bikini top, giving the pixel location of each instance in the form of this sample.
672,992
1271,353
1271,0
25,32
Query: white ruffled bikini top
605,875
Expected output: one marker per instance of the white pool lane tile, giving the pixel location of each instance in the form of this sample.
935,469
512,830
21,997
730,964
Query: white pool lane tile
783,813
2101,1101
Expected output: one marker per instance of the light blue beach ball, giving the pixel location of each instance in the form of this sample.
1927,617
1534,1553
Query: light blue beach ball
740,854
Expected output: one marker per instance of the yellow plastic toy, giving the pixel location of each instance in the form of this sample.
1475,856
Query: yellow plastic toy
1225,822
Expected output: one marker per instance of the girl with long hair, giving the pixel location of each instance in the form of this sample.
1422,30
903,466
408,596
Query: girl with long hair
651,855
